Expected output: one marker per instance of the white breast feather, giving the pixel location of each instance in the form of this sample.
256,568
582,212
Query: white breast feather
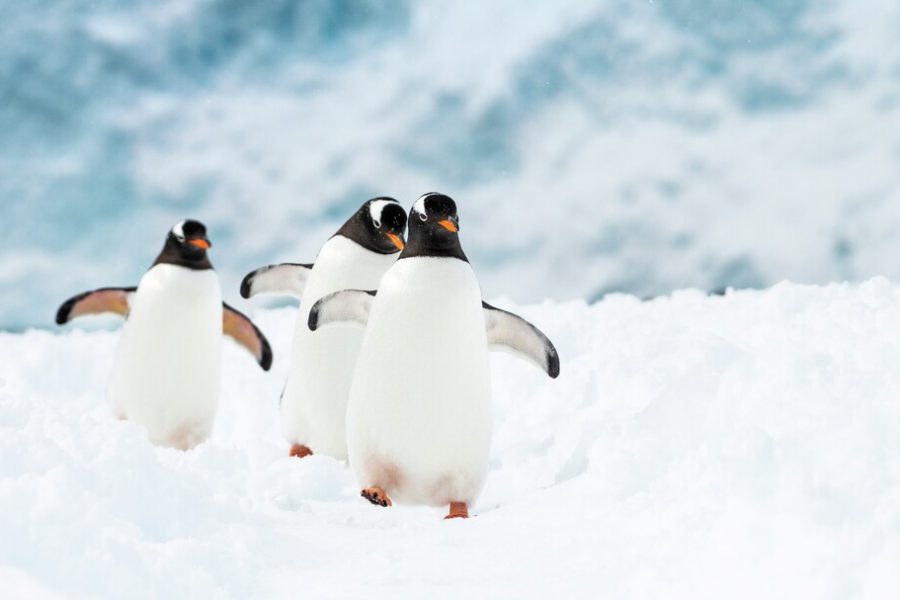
166,374
419,418
313,406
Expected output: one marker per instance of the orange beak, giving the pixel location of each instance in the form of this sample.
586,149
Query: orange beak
200,243
448,225
398,241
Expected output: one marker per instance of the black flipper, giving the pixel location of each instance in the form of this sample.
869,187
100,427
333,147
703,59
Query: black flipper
241,329
512,333
285,278
104,300
346,306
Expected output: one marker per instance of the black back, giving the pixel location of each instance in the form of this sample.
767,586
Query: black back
371,234
182,249
427,237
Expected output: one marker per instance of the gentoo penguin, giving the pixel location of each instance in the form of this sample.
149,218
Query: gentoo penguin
166,373
419,415
314,400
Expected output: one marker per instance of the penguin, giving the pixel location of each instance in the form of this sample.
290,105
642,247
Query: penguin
314,400
166,373
419,414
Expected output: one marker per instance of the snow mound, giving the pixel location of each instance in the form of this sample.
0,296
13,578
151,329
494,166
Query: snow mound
738,446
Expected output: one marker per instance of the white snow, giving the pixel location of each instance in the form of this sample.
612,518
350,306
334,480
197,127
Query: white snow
745,446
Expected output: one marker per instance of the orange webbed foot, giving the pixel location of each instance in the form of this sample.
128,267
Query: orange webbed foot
376,495
300,451
458,510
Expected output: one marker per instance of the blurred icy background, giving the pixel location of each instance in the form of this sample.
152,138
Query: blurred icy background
631,145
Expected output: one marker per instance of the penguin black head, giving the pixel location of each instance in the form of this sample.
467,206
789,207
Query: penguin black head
186,246
434,228
379,225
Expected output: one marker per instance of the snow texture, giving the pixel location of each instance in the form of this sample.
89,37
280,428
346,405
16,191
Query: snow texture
743,446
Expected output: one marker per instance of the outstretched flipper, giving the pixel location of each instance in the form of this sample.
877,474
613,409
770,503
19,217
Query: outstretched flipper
512,333
346,306
104,300
242,330
286,279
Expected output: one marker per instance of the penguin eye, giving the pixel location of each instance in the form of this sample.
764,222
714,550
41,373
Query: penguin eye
377,224
423,216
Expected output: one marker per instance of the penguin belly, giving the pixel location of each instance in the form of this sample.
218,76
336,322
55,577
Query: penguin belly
314,402
419,417
167,369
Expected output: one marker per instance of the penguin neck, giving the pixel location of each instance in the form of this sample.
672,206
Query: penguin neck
171,256
427,245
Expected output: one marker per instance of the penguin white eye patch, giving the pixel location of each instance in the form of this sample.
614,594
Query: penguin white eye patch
375,209
178,231
419,208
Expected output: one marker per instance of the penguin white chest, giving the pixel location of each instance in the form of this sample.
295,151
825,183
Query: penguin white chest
168,363
314,403
419,417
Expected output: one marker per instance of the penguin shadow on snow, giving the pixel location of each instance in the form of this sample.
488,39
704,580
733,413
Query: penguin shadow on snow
167,368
